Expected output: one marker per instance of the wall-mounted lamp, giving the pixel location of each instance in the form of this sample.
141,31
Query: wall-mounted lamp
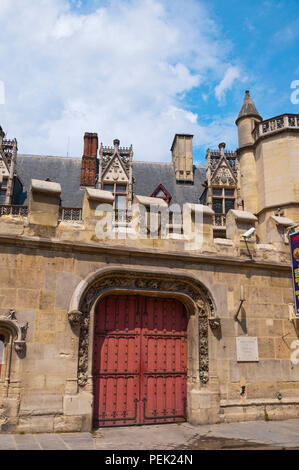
242,299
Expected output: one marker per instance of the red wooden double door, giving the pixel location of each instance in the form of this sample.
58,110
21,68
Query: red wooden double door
140,361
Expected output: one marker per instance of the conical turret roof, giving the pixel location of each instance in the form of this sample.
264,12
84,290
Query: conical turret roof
248,108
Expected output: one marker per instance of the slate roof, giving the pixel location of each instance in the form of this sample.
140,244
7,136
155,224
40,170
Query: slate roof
63,170
248,108
67,171
149,175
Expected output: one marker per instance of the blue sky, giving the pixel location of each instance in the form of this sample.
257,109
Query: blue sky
141,70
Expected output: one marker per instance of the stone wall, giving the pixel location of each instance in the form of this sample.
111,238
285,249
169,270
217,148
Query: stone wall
38,282
40,270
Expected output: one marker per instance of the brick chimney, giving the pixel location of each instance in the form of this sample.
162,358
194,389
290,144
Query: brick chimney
89,160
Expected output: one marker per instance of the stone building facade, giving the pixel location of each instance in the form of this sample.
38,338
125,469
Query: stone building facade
100,330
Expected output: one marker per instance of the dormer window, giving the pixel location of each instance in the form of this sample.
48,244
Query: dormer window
119,191
162,193
109,187
223,200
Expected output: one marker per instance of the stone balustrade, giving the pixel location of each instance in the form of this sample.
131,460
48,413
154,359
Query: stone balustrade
195,229
275,124
219,220
70,214
20,211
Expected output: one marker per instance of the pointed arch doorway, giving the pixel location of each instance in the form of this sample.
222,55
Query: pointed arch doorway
139,360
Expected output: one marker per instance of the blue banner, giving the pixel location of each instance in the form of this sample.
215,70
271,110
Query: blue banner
294,243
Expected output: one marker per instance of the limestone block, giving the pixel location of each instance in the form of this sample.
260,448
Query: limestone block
149,217
11,407
203,407
68,423
290,372
12,225
282,349
79,404
7,298
237,223
41,401
29,278
71,387
264,370
50,280
198,226
266,348
27,298
44,199
225,247
66,284
44,337
47,299
97,208
220,295
276,230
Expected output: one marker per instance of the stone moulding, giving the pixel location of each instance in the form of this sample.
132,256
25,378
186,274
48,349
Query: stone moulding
18,332
192,292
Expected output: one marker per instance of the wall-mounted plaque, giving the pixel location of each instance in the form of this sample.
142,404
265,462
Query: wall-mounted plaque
247,349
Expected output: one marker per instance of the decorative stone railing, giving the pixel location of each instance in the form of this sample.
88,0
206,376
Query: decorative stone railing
70,214
219,220
21,211
122,217
274,124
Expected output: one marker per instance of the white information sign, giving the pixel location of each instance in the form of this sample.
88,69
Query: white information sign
247,349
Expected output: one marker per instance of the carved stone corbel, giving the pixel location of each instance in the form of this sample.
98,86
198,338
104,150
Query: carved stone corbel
75,318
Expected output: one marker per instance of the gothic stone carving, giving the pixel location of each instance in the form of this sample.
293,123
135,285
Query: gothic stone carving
75,317
135,282
214,323
223,176
18,331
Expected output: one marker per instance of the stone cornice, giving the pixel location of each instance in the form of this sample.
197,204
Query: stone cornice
209,258
280,205
266,136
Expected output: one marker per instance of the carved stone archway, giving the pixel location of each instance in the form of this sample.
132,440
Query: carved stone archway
195,296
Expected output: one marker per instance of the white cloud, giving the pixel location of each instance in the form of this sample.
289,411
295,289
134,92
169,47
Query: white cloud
231,74
2,92
122,71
